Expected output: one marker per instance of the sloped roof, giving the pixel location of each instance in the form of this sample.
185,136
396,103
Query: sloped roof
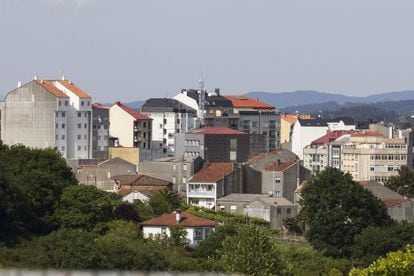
330,136
243,101
74,89
236,197
388,196
367,133
391,202
137,115
215,130
212,172
275,167
139,180
187,220
99,106
51,88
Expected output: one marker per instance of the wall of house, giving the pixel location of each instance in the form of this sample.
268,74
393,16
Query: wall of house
402,211
100,133
128,154
122,126
29,117
258,210
277,217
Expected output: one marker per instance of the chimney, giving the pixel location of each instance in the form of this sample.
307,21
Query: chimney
19,84
63,77
177,217
35,77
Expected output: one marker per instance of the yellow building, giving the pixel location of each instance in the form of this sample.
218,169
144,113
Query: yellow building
286,125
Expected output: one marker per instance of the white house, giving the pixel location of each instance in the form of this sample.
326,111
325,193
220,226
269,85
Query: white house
197,228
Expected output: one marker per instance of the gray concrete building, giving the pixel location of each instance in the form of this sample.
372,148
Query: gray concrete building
276,173
100,131
175,170
99,175
236,202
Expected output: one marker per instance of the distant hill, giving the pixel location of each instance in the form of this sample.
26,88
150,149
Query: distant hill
299,98
135,104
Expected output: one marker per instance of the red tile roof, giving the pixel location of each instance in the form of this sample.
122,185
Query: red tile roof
187,220
99,106
292,118
212,172
366,133
243,101
275,167
215,130
390,202
137,115
74,89
51,88
330,136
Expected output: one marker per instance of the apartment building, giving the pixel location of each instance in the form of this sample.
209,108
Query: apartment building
257,117
219,144
100,131
213,181
305,131
49,114
237,112
287,121
129,127
367,155
169,117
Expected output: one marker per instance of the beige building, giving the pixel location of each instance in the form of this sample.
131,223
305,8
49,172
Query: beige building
370,156
129,127
366,155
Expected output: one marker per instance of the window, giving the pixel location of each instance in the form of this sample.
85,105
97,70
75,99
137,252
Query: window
85,137
60,103
222,207
79,125
165,121
63,113
79,147
278,210
160,125
79,136
86,115
185,167
57,125
66,103
89,103
82,103
184,180
79,114
56,136
144,124
277,180
288,211
63,136
86,125
63,125
63,147
254,124
163,230
198,234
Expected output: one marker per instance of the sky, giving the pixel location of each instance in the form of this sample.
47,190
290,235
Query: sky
135,49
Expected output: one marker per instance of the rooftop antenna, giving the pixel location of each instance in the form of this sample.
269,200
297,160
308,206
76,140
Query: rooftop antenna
62,73
201,99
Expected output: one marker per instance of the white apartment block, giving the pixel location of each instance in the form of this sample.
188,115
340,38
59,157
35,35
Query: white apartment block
44,114
169,117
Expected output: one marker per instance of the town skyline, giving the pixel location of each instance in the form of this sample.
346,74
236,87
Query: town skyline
133,50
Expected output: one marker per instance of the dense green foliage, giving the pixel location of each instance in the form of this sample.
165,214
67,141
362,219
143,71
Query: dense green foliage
402,183
375,242
210,247
224,217
302,259
85,207
394,263
164,201
31,183
337,209
251,251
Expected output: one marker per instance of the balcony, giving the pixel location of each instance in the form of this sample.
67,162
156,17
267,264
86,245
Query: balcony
201,193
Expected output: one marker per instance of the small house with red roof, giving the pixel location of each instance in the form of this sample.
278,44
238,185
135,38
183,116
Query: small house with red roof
198,229
219,144
130,127
212,181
